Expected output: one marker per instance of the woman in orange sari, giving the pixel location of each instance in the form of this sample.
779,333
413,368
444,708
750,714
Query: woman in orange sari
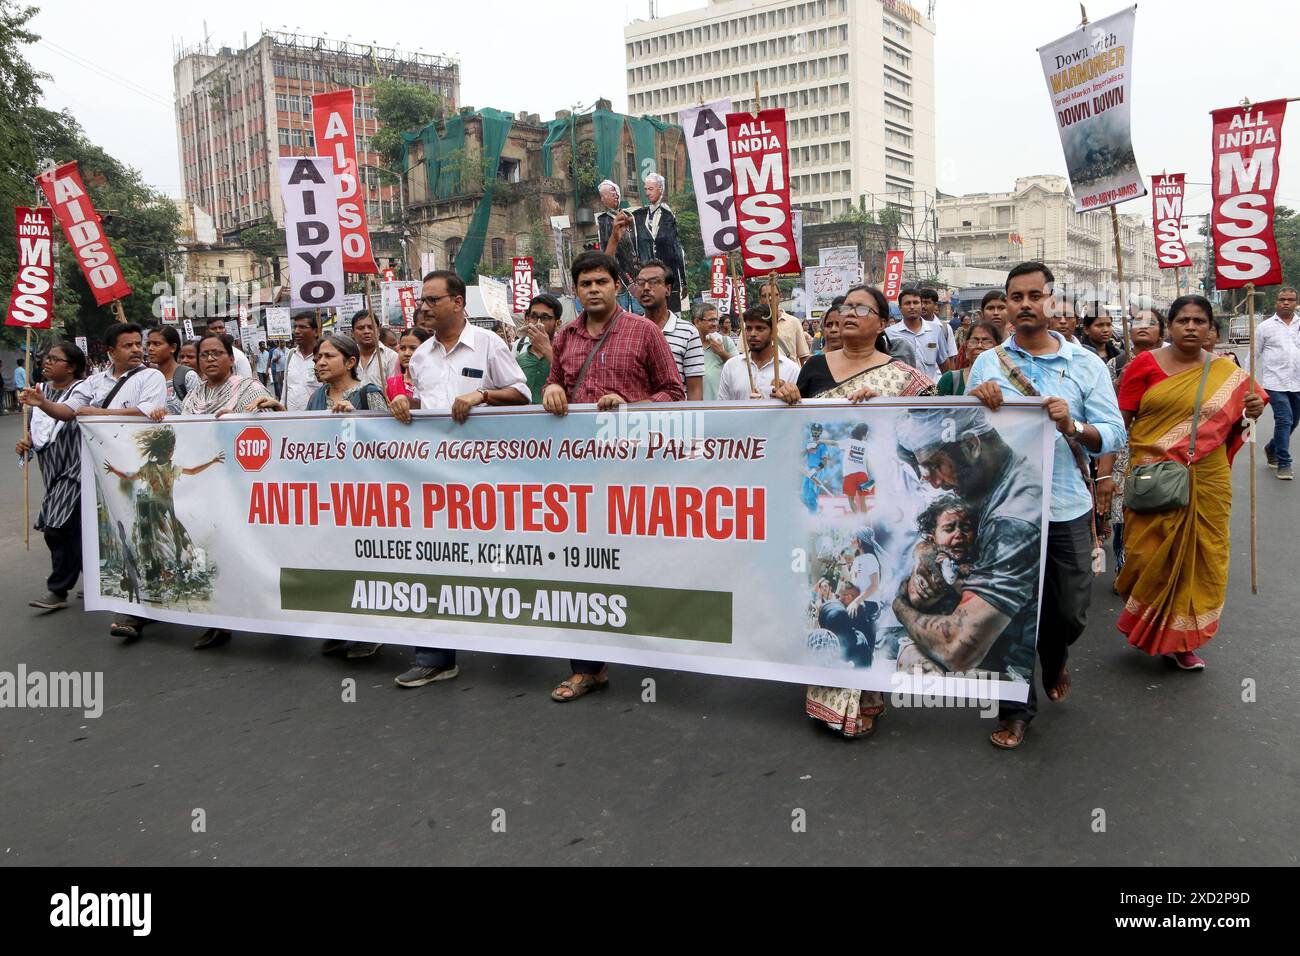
1176,567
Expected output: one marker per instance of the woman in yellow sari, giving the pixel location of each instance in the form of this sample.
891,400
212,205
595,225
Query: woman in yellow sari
1176,565
859,370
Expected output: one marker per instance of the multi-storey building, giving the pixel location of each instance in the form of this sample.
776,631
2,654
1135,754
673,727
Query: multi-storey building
237,112
856,78
1036,220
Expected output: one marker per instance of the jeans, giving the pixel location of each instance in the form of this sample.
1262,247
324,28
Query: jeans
435,657
1286,414
1118,531
65,555
1067,591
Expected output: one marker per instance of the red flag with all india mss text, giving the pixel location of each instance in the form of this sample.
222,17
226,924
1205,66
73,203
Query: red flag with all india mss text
66,194
760,167
332,117
31,304
1247,146
1167,214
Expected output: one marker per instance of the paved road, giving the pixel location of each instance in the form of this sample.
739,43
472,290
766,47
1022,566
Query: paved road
257,736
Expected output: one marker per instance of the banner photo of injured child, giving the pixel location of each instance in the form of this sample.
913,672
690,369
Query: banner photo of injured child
926,530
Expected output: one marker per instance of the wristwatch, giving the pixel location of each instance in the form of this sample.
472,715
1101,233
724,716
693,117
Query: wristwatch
483,390
1075,431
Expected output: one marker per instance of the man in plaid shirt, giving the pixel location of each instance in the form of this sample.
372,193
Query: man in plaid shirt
610,357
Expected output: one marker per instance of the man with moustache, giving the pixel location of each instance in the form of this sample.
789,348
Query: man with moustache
733,386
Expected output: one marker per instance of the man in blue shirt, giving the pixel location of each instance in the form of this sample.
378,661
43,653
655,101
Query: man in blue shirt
1078,395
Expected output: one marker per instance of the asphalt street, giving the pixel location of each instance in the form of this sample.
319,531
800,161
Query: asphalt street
486,769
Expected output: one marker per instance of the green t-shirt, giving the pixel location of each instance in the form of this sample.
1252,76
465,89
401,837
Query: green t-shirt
536,372
713,366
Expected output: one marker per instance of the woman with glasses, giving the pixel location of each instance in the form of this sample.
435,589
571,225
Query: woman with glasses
57,447
983,335
859,370
221,390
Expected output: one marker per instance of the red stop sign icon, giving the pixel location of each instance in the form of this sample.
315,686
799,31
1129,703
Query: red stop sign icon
253,448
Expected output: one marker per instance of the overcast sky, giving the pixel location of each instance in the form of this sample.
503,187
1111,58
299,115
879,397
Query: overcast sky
111,65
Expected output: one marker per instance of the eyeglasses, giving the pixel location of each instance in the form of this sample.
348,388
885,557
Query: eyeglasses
432,300
649,282
539,316
213,353
861,311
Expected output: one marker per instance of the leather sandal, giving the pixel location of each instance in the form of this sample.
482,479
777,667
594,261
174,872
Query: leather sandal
1017,730
579,688
1061,688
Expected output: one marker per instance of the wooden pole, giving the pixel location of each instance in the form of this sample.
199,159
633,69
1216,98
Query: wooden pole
1119,272
773,297
27,465
744,342
1254,526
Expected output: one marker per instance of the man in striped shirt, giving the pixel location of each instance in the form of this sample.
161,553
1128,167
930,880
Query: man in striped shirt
654,283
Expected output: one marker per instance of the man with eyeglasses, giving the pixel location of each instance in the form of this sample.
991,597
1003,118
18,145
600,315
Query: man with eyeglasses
542,320
654,285
300,366
460,367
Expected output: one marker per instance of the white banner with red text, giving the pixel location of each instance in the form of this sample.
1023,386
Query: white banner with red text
800,544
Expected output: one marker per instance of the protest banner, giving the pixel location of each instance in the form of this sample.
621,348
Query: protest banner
353,303
521,283
31,302
168,311
740,296
406,299
332,120
278,323
590,535
391,300
705,130
893,274
1089,74
189,330
390,275
82,344
823,283
1167,214
66,194
311,229
496,299
718,277
1247,149
760,164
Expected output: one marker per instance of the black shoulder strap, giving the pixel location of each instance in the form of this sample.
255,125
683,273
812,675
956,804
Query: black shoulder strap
179,374
108,399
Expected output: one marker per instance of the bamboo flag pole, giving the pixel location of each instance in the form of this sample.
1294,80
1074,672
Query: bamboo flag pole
744,342
773,293
27,440
1119,272
1254,525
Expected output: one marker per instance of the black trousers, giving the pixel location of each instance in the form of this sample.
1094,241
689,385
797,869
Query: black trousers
1067,591
65,555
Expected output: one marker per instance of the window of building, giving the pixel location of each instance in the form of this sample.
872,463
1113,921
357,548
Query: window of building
498,253
452,246
509,170
284,136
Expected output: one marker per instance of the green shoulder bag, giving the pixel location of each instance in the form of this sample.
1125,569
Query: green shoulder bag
1165,485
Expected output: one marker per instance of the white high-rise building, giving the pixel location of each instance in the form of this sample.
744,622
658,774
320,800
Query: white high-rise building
856,78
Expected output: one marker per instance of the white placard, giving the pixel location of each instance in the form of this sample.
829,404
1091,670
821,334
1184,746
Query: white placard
496,298
311,229
278,323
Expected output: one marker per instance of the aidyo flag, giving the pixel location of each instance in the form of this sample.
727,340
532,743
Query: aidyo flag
311,229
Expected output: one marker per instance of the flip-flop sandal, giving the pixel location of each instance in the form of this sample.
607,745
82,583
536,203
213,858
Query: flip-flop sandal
579,689
1016,727
128,632
866,731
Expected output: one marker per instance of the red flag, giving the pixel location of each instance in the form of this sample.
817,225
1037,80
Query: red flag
1167,214
331,115
522,272
1247,146
406,299
66,194
893,274
718,277
760,165
31,304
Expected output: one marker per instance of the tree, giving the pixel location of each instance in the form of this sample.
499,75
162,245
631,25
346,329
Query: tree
1286,231
401,108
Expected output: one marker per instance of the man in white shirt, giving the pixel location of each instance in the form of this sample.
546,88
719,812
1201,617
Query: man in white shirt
733,383
300,364
459,367
1277,353
927,338
242,366
930,313
654,284
378,362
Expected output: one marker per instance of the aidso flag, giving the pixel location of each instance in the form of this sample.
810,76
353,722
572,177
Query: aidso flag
311,229
760,172
66,194
1247,150
31,303
705,130
332,119
1167,214
584,537
1089,76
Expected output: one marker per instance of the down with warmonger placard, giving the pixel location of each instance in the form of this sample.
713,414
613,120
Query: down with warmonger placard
837,432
